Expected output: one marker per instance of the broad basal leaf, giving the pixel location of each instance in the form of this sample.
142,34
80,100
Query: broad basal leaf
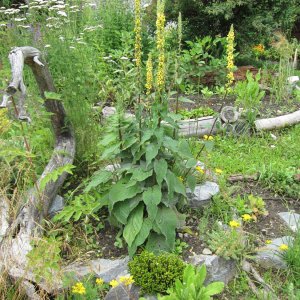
151,152
152,197
134,225
160,168
98,178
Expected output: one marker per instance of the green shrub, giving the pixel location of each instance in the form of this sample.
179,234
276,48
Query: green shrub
156,273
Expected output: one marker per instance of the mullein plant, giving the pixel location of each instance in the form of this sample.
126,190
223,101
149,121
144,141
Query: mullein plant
177,60
230,58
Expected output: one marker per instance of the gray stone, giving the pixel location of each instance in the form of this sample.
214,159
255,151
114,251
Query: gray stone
56,206
202,194
108,111
206,251
122,292
291,219
218,268
112,168
270,256
107,269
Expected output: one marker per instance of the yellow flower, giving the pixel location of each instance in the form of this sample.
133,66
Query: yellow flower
283,247
160,44
78,288
234,224
246,217
114,283
218,171
199,169
259,48
99,281
149,68
208,137
268,242
180,178
127,280
138,33
230,56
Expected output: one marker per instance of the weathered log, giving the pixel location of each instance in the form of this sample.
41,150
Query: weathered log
16,242
278,122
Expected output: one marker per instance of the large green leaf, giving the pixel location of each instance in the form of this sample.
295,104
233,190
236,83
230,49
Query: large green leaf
191,182
167,220
122,209
170,144
174,184
152,197
160,168
151,152
134,225
98,178
141,236
139,174
111,151
184,149
214,288
157,243
121,191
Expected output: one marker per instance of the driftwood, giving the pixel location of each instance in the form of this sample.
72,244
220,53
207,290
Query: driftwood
207,125
17,237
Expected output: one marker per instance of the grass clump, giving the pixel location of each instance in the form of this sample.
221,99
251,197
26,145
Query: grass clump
156,273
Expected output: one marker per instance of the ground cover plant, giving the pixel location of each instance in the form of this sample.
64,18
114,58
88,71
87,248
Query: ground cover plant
128,187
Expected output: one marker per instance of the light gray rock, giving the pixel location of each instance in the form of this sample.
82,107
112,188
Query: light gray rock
218,268
56,206
291,219
202,194
270,256
112,168
108,111
107,269
122,292
206,251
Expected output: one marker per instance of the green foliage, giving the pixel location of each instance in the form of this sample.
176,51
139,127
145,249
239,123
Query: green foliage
196,113
44,266
156,274
192,286
83,206
249,97
143,193
231,243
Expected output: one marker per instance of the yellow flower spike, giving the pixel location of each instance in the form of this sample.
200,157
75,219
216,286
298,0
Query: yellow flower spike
78,288
218,171
230,57
149,81
199,169
283,247
160,44
234,224
114,283
138,33
268,242
99,281
246,217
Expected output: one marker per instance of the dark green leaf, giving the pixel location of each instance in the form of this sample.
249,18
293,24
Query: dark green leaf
160,168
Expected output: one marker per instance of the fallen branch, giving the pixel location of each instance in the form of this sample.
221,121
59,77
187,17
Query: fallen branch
240,177
17,239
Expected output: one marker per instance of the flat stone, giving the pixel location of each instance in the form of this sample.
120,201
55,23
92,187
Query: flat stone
108,111
270,256
202,194
122,292
107,269
56,206
218,268
291,219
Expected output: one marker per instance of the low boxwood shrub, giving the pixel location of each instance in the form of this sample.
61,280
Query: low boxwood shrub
156,274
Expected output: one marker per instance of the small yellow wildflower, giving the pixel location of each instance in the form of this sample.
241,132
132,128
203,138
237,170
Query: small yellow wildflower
268,242
127,280
208,137
259,48
180,178
199,169
99,281
246,217
138,33
78,288
283,247
234,224
114,283
218,171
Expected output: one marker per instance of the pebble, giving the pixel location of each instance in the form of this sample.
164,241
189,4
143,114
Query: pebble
206,251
